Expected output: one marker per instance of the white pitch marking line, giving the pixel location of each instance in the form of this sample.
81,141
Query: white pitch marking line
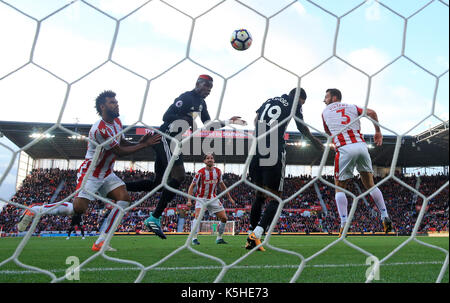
24,272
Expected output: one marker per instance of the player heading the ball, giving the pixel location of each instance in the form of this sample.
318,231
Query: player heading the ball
178,118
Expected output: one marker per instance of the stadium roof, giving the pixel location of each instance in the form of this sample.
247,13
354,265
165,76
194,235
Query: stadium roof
416,151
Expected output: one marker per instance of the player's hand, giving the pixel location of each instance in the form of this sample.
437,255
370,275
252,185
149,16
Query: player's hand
150,139
189,204
378,138
237,120
232,201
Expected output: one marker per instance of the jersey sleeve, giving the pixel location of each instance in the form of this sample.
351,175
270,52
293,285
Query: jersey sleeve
102,134
205,114
325,126
177,109
359,110
122,137
196,178
219,174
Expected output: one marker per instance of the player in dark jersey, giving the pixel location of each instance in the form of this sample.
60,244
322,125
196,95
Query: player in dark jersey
268,164
76,221
178,118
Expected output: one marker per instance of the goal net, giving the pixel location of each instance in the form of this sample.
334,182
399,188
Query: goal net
212,227
302,64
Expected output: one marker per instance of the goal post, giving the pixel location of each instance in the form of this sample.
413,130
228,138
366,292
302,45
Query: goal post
212,227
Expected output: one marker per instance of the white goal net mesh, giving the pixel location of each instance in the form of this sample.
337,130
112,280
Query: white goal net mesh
151,82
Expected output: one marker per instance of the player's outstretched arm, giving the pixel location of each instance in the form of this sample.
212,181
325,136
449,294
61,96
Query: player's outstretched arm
146,141
305,131
378,137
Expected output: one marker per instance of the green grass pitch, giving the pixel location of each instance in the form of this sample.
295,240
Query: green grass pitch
341,263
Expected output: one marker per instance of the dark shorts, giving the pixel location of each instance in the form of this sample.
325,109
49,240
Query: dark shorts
271,177
163,154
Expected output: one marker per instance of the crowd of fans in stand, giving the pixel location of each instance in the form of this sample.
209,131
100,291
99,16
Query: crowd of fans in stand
402,203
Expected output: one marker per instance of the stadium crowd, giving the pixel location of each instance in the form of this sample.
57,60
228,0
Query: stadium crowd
402,203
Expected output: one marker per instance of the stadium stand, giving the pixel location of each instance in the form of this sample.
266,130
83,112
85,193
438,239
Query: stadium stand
303,214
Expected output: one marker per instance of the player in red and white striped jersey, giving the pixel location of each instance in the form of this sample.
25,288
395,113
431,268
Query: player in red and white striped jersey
103,180
351,151
206,182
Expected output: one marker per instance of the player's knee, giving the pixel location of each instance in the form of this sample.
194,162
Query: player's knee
79,207
178,173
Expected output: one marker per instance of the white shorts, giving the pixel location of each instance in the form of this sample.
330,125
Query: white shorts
102,187
350,156
213,207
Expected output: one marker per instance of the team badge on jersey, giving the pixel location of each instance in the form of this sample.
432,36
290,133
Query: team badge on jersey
179,103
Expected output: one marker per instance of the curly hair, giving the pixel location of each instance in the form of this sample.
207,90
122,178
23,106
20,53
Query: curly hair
101,99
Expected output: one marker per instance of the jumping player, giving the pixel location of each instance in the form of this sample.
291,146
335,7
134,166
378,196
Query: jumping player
103,180
76,221
267,169
351,152
206,181
183,111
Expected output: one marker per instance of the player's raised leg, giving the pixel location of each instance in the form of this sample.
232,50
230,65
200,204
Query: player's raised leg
163,155
62,209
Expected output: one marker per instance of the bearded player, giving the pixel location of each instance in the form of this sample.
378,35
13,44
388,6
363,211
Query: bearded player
351,152
206,181
178,118
103,180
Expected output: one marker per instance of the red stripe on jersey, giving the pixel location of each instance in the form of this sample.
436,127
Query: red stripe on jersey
110,167
361,136
83,173
336,165
202,182
104,130
100,165
117,120
341,139
211,185
351,134
359,110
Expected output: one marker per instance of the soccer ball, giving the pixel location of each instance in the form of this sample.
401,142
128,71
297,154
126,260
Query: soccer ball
241,39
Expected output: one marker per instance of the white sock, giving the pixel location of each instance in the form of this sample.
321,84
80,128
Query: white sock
377,196
221,230
64,209
341,203
109,221
192,229
258,231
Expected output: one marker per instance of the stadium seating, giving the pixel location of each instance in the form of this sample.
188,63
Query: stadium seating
403,207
